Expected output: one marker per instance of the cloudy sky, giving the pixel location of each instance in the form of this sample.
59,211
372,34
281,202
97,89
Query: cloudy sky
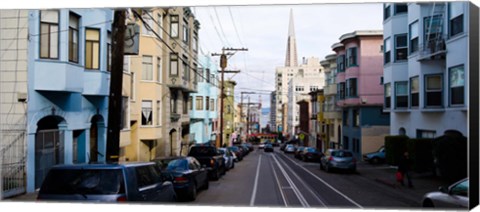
263,29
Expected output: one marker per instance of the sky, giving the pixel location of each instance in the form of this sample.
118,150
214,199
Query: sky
263,29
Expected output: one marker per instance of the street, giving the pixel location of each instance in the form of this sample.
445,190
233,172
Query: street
277,179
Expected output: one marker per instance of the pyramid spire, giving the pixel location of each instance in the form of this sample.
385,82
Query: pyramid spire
291,59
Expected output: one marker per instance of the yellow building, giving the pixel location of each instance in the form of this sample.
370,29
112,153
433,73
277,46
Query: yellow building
229,112
160,79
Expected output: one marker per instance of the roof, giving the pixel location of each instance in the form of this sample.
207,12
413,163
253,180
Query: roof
359,33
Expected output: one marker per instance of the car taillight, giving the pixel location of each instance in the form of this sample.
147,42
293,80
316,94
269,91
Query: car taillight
121,199
180,180
212,162
330,158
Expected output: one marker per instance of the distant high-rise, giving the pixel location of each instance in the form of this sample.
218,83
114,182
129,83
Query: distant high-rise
291,58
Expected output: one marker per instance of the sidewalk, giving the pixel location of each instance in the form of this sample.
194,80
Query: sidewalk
385,174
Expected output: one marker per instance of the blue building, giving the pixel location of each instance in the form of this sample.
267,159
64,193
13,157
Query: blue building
69,63
204,104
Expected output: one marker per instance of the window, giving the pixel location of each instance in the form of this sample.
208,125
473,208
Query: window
124,118
173,102
457,85
345,142
352,87
212,104
413,37
401,47
147,67
207,78
356,118
185,31
160,25
414,92
433,90
146,112
92,48
386,12
174,26
401,8
173,64
159,114
147,26
185,104
388,94
425,133
341,90
132,86
186,71
159,69
352,57
401,94
109,51
432,27
73,38
207,103
386,50
341,63
455,12
356,145
199,103
49,34
195,42
190,103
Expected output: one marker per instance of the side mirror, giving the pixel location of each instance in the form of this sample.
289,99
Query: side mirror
443,189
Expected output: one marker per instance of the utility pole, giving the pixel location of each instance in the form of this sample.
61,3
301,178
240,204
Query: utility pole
116,81
241,108
223,65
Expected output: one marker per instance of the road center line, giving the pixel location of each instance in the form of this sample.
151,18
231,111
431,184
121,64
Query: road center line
254,193
279,186
328,185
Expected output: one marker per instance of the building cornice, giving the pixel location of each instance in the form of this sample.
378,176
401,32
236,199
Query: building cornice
360,33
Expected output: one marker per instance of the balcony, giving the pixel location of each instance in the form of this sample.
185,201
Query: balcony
96,83
433,50
174,117
58,76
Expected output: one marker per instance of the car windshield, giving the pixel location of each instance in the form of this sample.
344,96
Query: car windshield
311,150
82,181
177,165
341,154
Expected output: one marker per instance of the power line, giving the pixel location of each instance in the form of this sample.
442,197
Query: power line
216,30
221,27
235,26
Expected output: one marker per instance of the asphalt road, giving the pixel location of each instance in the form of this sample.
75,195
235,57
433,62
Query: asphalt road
277,179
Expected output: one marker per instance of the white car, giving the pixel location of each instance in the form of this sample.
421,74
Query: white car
454,196
261,146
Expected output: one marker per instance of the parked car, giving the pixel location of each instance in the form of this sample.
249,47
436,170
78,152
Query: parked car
187,176
261,145
237,151
453,196
282,147
298,152
119,182
311,154
229,158
209,156
338,159
250,146
375,157
245,149
290,148
268,148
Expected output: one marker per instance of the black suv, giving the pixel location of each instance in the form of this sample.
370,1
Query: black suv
211,157
140,181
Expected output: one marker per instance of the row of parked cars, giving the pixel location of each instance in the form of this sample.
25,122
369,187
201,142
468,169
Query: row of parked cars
165,179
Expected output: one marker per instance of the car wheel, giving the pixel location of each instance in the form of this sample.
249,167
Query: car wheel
428,204
215,175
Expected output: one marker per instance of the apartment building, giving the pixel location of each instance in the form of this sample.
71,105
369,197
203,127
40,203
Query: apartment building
426,67
229,108
55,83
360,92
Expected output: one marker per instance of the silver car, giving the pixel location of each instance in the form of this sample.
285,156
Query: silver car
453,196
229,158
289,148
338,159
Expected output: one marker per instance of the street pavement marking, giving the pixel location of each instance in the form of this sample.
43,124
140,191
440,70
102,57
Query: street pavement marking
280,187
328,185
305,185
292,184
252,200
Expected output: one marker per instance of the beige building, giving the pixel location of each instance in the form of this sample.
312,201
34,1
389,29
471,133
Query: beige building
332,113
160,79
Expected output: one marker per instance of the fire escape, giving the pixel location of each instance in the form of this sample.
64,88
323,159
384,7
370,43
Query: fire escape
434,40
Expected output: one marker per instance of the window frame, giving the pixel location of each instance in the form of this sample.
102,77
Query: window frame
173,59
159,69
147,75
452,19
411,92
352,55
387,59
93,42
405,95
109,51
158,110
57,24
73,31
397,48
174,23
387,95
386,12
349,88
426,92
199,103
148,18
395,8
413,42
151,113
450,96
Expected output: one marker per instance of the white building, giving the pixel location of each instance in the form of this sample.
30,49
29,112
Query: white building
426,67
310,77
